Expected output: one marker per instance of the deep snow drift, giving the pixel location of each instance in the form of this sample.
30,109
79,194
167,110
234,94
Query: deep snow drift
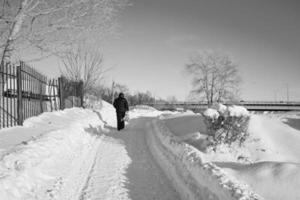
268,162
48,164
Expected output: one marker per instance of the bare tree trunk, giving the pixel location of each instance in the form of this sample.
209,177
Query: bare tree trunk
15,28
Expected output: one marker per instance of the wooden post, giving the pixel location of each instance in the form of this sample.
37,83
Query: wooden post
81,93
41,94
19,95
61,93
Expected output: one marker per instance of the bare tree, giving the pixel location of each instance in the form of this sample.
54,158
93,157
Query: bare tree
215,76
120,88
51,25
86,64
172,99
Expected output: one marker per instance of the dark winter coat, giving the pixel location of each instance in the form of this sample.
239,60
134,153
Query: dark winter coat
121,104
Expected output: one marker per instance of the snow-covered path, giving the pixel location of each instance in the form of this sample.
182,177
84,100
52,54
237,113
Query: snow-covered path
125,169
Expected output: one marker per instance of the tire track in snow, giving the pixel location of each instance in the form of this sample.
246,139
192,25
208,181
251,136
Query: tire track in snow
83,191
107,175
125,169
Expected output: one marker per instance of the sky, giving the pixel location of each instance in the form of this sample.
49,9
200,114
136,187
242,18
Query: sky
157,37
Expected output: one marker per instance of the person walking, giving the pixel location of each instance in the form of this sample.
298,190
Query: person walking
121,106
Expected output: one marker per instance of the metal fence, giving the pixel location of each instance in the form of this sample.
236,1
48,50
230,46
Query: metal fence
24,93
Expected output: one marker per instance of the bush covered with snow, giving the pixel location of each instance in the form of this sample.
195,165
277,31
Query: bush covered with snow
92,102
226,124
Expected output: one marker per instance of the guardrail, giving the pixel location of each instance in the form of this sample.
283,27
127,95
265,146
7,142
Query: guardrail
250,105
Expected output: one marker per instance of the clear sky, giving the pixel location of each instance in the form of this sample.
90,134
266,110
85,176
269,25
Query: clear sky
157,37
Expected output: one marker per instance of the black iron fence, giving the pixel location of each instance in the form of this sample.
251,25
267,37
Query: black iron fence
24,93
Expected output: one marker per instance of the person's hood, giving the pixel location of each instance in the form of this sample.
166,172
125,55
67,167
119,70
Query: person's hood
121,95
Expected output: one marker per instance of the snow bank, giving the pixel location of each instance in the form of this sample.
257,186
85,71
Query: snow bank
143,110
269,159
272,180
49,166
107,114
184,165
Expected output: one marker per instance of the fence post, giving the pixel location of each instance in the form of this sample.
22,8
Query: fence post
61,93
81,93
19,95
41,95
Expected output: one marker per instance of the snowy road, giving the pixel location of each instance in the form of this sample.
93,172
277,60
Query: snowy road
125,169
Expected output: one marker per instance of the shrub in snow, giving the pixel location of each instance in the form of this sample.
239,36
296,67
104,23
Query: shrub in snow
220,108
92,102
211,114
226,126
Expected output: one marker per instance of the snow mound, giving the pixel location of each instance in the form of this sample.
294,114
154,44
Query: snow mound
143,111
185,167
107,114
272,180
50,166
269,159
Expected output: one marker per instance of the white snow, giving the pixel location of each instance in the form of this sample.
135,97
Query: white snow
79,154
268,162
143,110
186,168
211,113
220,108
237,111
41,166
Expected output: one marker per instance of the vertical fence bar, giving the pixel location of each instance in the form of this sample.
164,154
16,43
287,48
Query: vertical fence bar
6,99
55,94
2,96
31,100
16,96
81,93
26,91
60,90
11,96
50,94
40,96
19,95
24,85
